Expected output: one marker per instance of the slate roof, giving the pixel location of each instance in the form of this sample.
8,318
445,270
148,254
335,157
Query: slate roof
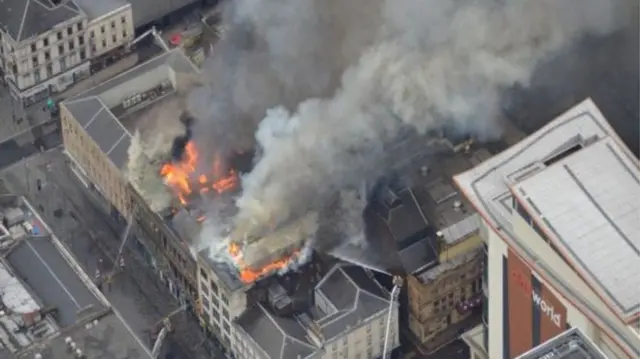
96,8
48,274
354,295
147,11
22,19
487,186
98,119
277,337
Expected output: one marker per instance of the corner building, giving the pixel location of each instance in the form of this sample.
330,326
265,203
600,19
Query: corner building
561,223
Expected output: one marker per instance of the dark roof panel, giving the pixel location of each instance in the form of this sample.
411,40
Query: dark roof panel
48,274
23,19
105,130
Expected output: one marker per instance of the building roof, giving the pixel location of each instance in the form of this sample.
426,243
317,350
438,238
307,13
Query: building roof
592,213
571,344
48,274
97,8
487,188
105,336
276,336
94,108
354,299
147,11
17,300
22,19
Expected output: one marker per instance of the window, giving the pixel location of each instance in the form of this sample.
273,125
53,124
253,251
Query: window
114,38
47,56
224,299
34,60
36,76
79,26
63,64
226,326
225,313
92,34
124,34
45,42
33,47
60,49
71,45
203,274
83,55
216,315
59,35
214,287
69,30
113,24
123,20
80,40
102,29
49,70
104,43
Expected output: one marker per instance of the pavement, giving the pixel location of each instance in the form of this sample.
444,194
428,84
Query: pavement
90,234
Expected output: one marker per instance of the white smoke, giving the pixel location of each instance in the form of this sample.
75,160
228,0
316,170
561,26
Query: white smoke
435,63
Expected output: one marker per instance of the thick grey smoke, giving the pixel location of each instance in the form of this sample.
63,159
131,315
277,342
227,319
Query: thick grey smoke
433,63
276,53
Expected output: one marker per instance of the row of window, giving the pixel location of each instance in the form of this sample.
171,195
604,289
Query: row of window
59,36
70,31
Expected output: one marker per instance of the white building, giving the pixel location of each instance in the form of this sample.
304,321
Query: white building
348,319
561,219
45,45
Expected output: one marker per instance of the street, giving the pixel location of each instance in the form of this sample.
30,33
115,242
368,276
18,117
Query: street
89,234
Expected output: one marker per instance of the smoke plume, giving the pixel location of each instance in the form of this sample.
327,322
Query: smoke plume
276,53
431,64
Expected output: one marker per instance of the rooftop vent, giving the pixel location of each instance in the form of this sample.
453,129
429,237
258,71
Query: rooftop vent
457,205
424,171
38,356
79,353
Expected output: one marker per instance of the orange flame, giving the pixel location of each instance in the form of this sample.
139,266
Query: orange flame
250,275
182,178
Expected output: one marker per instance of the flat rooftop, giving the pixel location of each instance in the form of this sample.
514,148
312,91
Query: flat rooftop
572,344
592,213
37,261
38,275
487,186
104,336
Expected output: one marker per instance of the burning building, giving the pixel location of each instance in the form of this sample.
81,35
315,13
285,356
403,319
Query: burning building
129,140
